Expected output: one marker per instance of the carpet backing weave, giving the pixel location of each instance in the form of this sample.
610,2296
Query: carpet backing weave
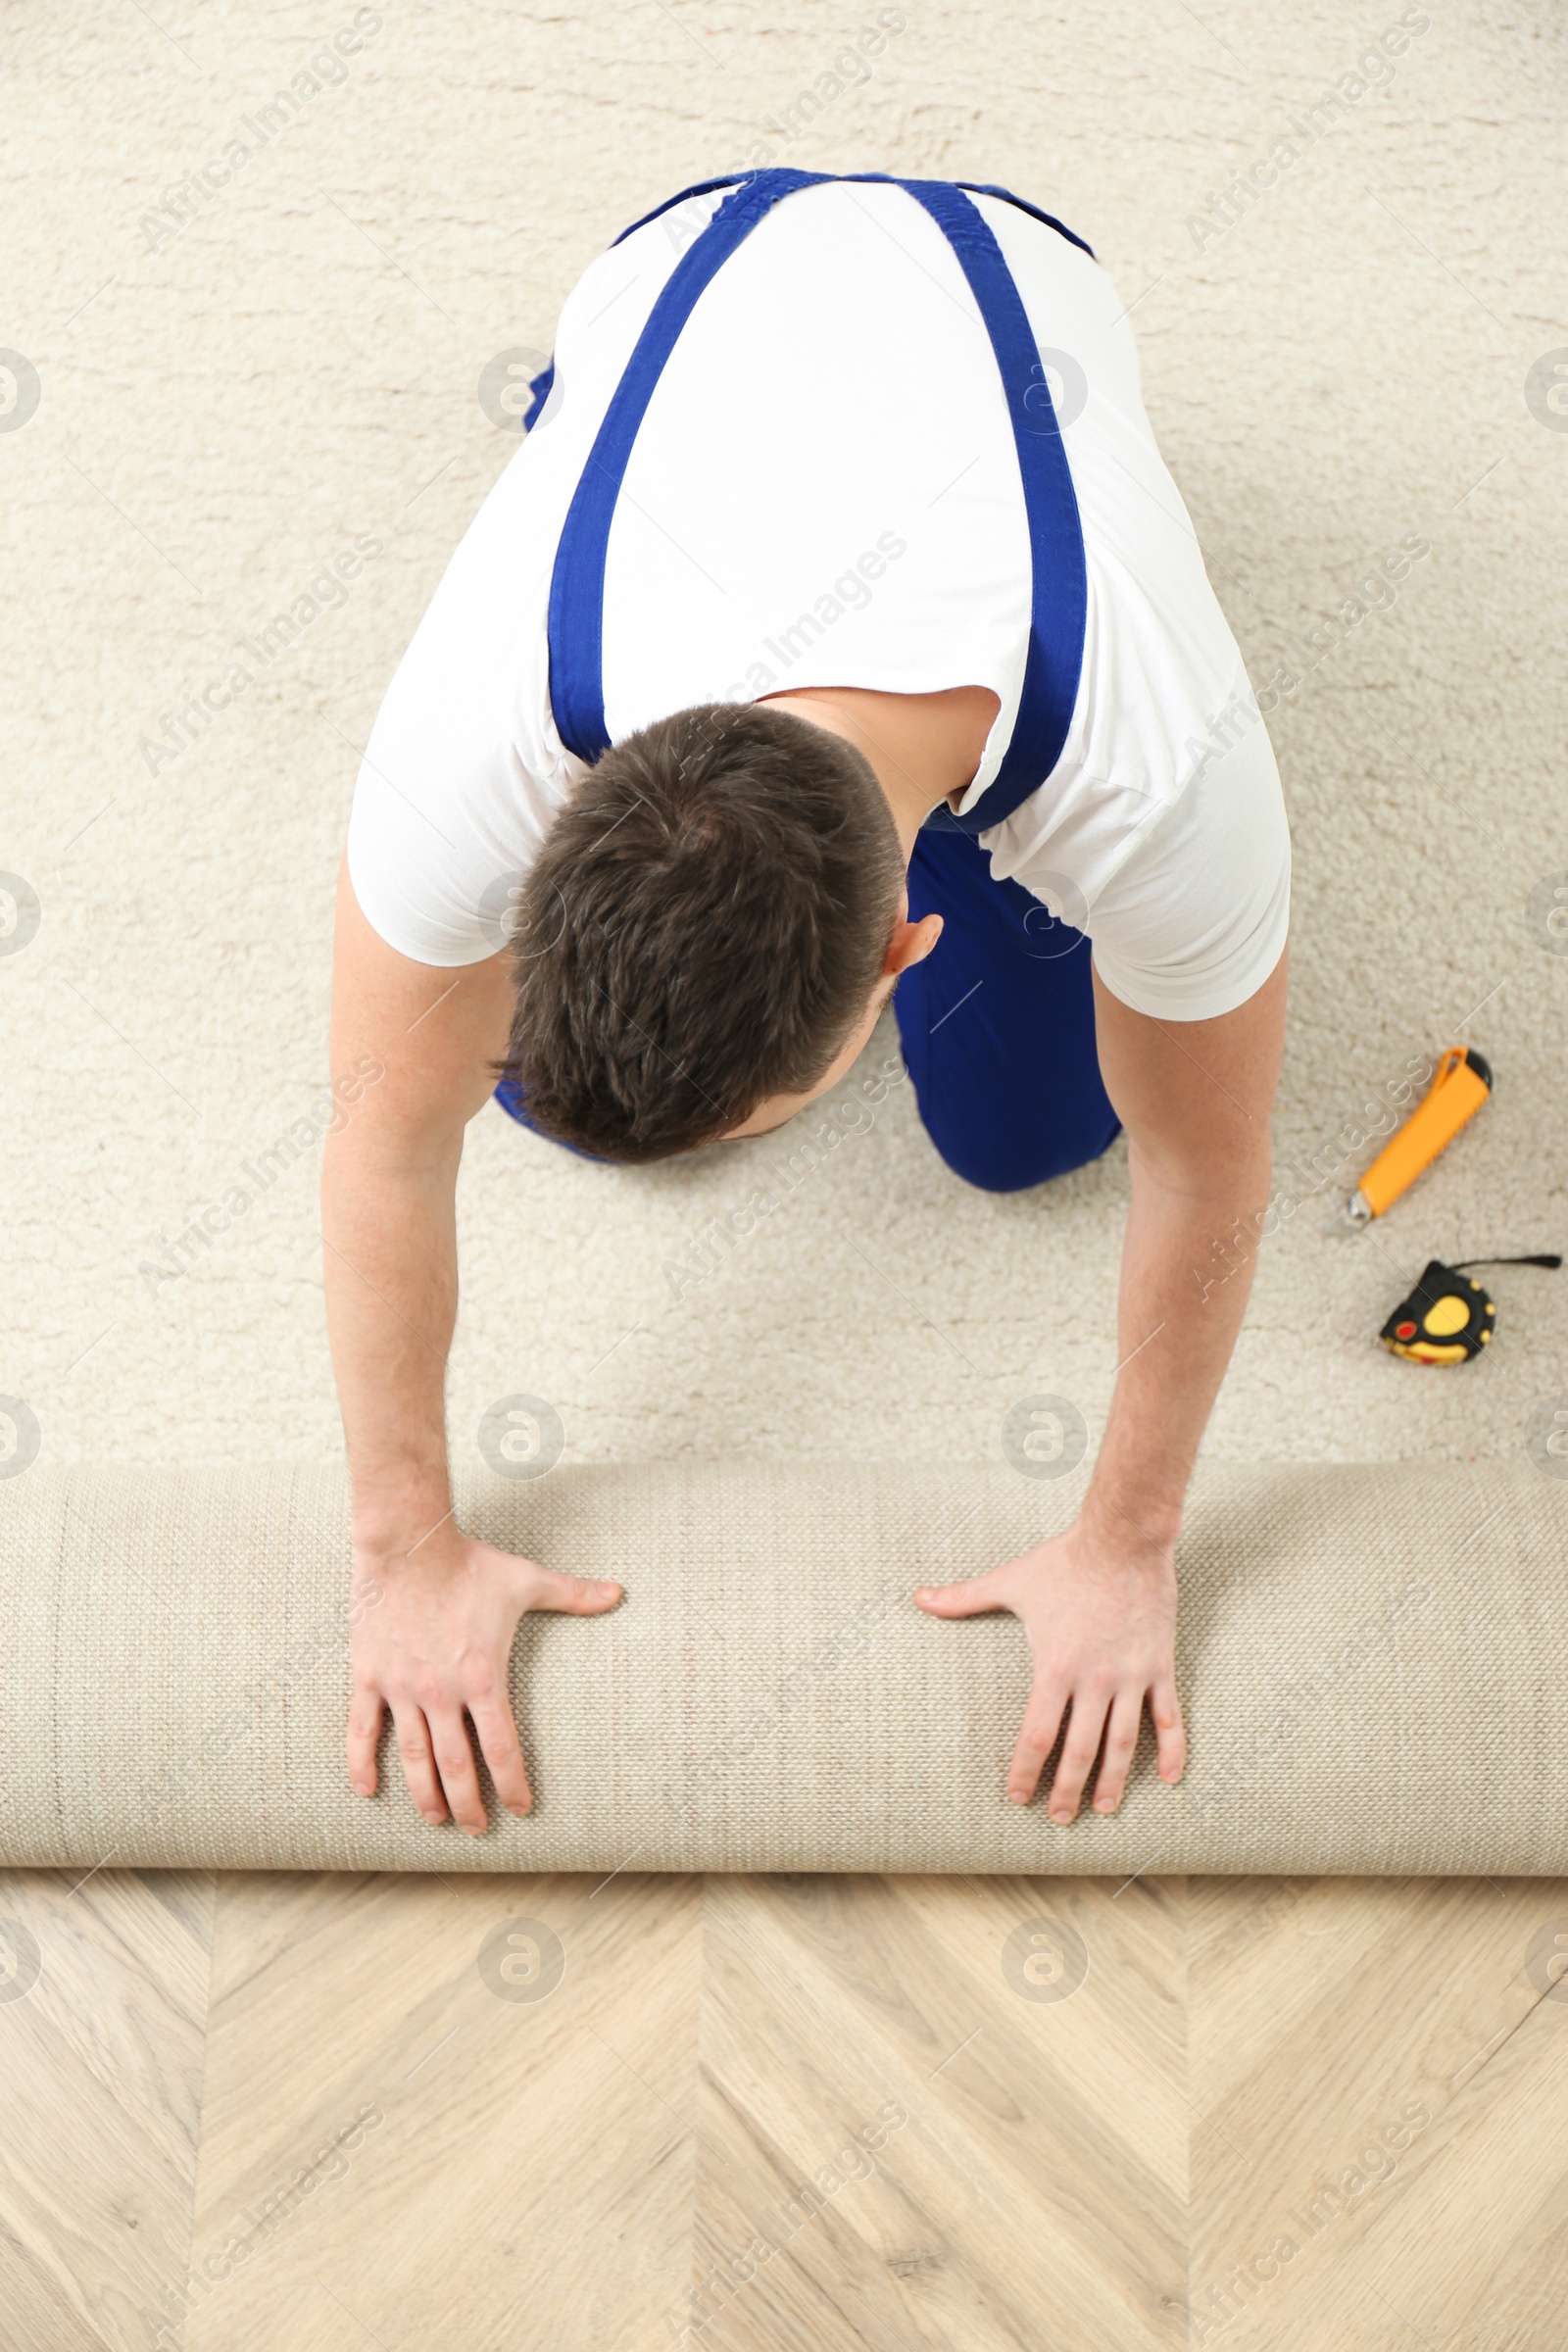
1373,1663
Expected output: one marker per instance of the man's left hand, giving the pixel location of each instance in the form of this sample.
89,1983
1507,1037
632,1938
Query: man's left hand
1102,1625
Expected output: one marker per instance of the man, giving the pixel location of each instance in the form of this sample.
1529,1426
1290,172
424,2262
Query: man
837,631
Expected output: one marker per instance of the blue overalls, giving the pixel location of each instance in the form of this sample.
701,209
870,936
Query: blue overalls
998,1023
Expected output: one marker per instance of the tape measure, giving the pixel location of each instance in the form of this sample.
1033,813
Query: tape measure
1447,1318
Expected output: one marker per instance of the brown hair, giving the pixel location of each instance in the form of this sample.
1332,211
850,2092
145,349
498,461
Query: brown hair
702,928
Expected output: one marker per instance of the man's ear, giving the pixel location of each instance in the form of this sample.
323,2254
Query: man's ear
912,942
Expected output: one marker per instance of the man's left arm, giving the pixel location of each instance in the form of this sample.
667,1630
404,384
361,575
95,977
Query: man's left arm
1099,1602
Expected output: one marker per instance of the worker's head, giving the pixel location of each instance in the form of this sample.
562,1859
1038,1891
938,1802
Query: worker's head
712,924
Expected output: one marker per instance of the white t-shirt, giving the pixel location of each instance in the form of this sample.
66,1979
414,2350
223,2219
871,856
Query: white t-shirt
824,491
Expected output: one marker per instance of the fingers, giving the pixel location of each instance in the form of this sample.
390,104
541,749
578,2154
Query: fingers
1037,1737
503,1752
418,1758
1089,1722
1169,1729
363,1739
578,1595
968,1599
1085,1726
454,1758
1121,1738
437,1757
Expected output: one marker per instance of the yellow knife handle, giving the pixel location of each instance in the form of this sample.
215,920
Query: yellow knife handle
1461,1085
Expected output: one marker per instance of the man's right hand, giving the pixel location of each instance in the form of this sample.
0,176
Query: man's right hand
433,1612
437,1641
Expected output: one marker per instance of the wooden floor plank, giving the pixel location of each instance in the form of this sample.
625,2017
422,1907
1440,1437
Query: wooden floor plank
101,2063
501,2075
1020,2202
1474,2234
1378,2078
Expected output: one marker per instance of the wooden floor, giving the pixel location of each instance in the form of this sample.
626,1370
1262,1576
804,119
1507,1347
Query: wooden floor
802,2113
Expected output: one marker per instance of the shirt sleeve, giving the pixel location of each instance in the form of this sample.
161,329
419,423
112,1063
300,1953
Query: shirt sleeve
453,799
410,869
1195,919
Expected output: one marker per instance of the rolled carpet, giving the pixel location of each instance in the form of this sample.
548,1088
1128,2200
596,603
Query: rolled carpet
1373,1662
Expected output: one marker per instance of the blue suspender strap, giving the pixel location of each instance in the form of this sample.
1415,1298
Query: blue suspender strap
1060,592
979,187
986,187
540,384
539,387
577,583
1060,595
704,187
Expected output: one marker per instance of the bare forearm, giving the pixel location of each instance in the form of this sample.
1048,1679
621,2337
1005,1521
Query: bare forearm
391,1279
1174,1343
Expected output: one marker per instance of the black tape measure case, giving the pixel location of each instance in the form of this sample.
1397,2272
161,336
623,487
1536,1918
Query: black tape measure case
1449,1318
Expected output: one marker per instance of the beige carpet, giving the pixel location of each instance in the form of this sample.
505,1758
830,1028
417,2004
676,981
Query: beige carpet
1373,1663
237,382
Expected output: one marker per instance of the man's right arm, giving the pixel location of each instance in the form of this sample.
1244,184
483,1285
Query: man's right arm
438,1641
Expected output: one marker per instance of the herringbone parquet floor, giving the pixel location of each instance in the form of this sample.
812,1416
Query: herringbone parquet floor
804,2115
